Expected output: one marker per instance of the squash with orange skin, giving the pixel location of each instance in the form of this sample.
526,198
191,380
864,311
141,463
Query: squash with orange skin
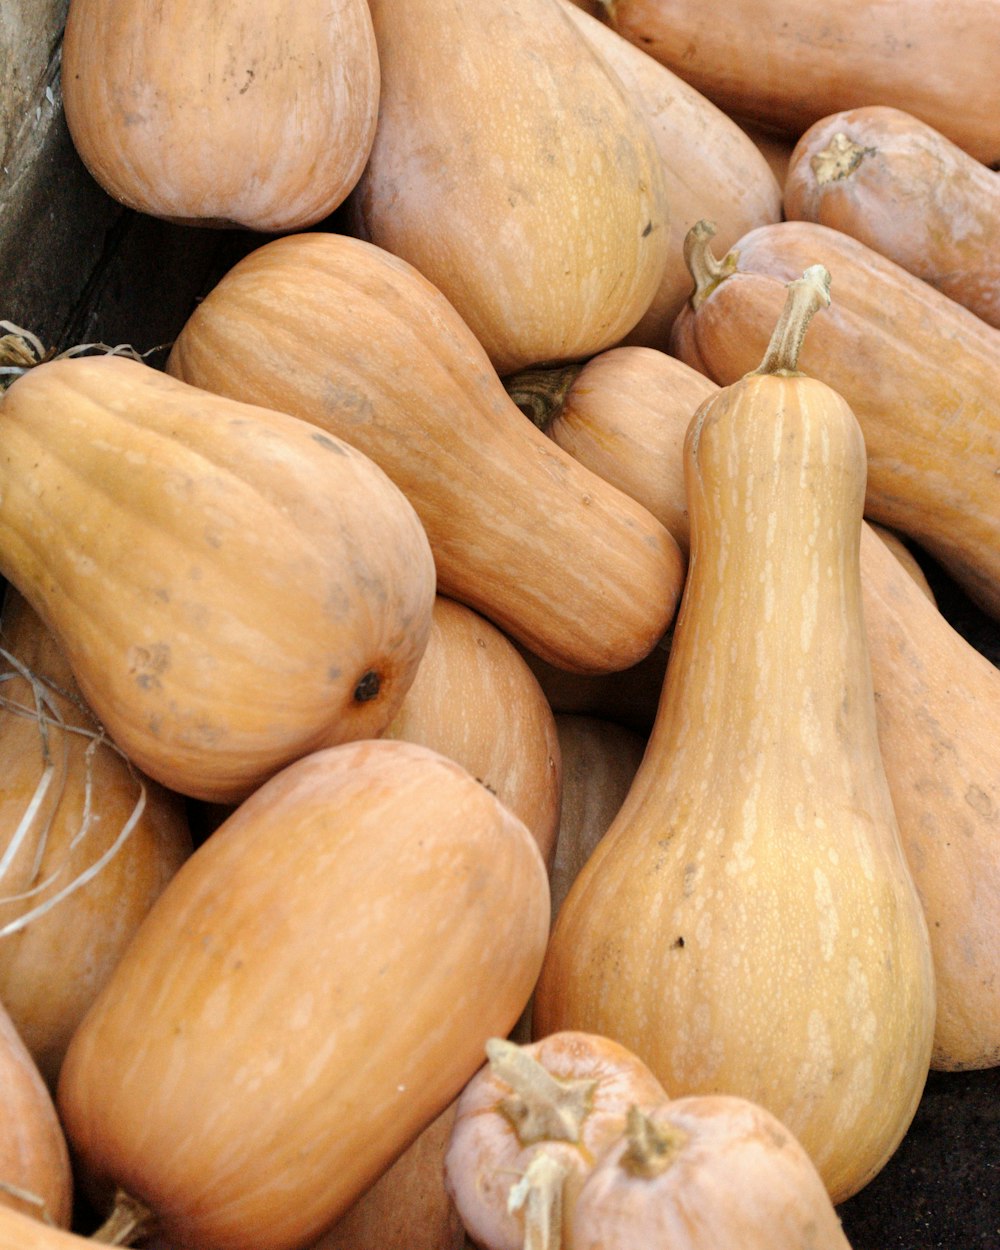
711,168
247,1073
516,174
787,63
921,373
907,191
23,1232
35,1175
60,932
475,700
700,1173
248,115
354,340
748,925
229,585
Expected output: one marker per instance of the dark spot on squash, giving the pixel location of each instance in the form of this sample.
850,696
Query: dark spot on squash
678,944
368,687
648,230
329,443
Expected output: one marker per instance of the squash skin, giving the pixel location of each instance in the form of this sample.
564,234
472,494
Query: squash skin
342,334
906,358
33,1153
51,970
904,189
252,116
475,700
737,1178
748,925
23,1232
207,678
721,174
222,989
516,174
787,63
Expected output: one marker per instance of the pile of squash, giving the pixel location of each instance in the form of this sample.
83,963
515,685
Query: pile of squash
483,764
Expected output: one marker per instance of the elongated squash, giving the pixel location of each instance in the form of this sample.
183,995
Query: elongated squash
920,372
711,167
748,925
904,189
229,585
86,843
344,335
516,174
258,115
788,63
308,994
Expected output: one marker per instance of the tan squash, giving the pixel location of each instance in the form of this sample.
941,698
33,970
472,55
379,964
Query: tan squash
711,168
230,586
903,552
254,115
342,334
512,169
624,415
408,1207
86,843
921,373
907,191
24,1232
775,146
748,925
787,63
35,1176
475,700
311,990
529,1128
701,1173
600,760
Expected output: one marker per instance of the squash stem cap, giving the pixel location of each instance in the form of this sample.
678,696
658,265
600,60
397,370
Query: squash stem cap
541,393
650,1148
541,1108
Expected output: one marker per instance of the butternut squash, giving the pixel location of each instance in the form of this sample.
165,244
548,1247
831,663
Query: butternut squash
23,1232
35,1176
229,585
475,700
344,335
702,1173
86,843
748,925
260,115
787,63
711,168
259,1057
906,190
921,373
516,174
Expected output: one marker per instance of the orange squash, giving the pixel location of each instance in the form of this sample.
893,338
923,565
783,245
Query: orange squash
516,174
711,168
86,844
701,1173
787,63
24,1232
35,1175
921,373
256,115
748,925
342,334
259,1056
229,585
475,700
907,191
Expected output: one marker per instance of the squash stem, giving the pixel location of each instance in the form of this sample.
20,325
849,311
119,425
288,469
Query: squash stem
806,296
651,1148
839,159
539,1193
129,1221
541,1108
541,393
706,271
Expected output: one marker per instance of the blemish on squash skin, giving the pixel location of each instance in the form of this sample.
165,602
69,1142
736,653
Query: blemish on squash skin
981,803
146,664
329,444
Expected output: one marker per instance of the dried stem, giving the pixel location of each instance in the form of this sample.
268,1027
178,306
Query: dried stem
20,350
806,296
706,271
651,1148
539,1193
541,1108
129,1220
541,393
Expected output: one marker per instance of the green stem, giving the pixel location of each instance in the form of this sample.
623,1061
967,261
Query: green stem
806,296
541,1107
541,393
